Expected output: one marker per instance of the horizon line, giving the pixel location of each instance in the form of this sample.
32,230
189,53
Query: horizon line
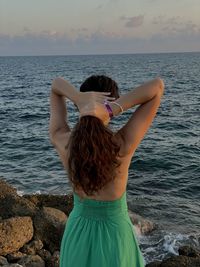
171,52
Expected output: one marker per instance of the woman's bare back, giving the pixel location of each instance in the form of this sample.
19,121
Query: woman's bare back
115,188
147,96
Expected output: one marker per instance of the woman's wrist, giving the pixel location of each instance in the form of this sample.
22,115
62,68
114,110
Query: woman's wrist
115,109
109,109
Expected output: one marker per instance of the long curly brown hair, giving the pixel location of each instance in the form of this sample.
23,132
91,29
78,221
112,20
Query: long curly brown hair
93,149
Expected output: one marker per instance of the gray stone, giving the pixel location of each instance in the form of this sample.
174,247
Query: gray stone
32,261
11,206
3,261
54,260
15,265
60,202
189,251
49,227
142,226
32,247
154,264
15,256
180,261
44,254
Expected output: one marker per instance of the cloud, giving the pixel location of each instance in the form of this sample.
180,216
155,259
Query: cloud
152,1
158,19
164,20
83,41
26,29
83,29
30,41
176,26
52,42
133,21
108,4
99,6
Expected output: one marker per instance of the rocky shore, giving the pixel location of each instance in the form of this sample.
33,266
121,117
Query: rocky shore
31,229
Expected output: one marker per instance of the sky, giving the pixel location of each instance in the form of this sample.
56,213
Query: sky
74,27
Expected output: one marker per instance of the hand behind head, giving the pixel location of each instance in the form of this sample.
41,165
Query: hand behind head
97,110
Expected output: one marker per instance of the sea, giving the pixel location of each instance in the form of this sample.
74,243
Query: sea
164,175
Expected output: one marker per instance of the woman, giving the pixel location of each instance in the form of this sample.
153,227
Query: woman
99,232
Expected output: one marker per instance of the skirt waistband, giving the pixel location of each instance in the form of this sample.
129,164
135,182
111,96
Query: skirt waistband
100,209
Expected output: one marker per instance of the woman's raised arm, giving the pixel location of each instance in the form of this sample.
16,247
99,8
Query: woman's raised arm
148,96
60,89
84,101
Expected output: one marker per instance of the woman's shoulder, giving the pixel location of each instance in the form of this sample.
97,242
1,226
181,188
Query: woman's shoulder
123,153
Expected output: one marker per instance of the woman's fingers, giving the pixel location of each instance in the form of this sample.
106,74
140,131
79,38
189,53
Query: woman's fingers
105,96
102,96
107,99
102,100
102,93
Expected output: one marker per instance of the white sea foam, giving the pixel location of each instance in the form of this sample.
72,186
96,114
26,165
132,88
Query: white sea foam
21,192
162,244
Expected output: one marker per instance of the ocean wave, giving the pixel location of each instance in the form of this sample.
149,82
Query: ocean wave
161,244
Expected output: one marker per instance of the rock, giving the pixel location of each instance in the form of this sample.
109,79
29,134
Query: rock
195,262
175,261
11,204
54,260
60,202
49,227
142,226
44,254
188,257
189,251
32,247
14,233
3,261
32,261
6,188
13,265
180,261
15,256
154,264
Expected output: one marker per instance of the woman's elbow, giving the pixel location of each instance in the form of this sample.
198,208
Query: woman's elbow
161,85
51,139
56,81
53,84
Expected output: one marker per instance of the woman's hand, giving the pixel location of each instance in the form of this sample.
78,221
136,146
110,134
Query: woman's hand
92,103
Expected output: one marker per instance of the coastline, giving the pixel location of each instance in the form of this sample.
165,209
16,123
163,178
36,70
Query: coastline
26,220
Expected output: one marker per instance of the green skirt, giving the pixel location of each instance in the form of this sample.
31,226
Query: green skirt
99,233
